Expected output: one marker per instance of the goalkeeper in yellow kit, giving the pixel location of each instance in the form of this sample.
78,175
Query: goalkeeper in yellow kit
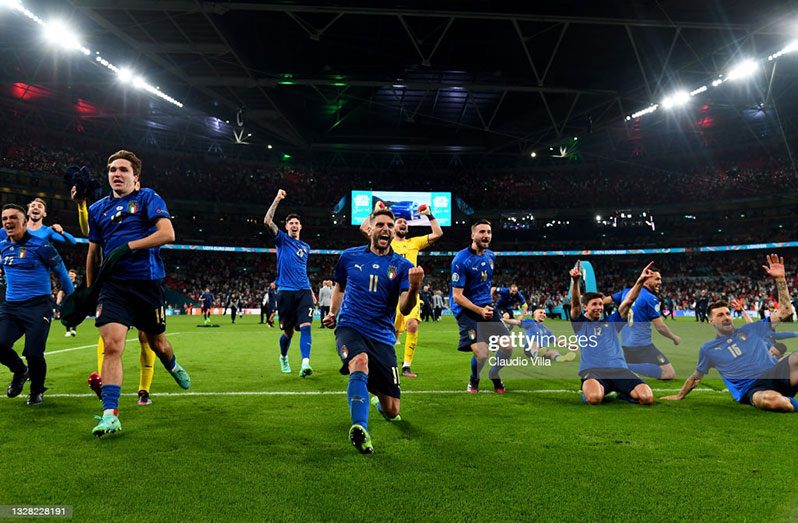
146,357
408,248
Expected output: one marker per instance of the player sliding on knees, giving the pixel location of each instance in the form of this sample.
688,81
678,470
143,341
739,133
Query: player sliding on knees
295,300
408,248
470,299
603,368
638,348
743,357
369,283
540,338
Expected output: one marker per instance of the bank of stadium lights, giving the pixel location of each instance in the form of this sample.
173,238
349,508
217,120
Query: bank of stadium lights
58,34
741,71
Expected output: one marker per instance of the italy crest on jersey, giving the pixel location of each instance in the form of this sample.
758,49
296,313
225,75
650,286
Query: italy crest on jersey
742,336
391,272
22,252
133,207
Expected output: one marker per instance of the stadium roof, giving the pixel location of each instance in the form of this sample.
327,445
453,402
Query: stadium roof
450,80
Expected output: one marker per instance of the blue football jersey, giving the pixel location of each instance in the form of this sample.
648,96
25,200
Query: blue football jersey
117,221
598,341
372,288
474,274
537,332
740,357
645,309
292,263
207,299
47,234
27,265
506,300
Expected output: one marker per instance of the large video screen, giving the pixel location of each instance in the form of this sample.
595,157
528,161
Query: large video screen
404,204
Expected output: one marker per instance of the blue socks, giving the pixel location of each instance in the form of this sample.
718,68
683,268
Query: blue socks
794,404
110,394
646,369
285,342
357,395
169,366
304,341
474,371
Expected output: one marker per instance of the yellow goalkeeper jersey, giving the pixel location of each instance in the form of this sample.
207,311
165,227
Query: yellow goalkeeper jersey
409,247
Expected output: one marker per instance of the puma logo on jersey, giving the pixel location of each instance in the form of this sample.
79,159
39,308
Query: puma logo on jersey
359,267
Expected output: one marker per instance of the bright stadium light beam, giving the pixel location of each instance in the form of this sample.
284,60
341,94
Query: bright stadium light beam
677,99
125,74
57,33
743,70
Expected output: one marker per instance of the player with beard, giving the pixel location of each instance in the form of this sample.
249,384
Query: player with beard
409,248
638,347
370,281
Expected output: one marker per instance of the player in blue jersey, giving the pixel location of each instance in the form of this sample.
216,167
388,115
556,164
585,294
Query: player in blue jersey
295,300
27,310
743,358
602,367
638,347
471,303
128,227
207,302
507,299
37,211
540,339
369,283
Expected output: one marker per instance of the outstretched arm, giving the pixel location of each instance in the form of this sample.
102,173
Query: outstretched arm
691,383
576,294
437,231
775,269
634,292
268,220
738,306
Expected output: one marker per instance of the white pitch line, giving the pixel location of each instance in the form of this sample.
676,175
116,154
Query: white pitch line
95,345
343,393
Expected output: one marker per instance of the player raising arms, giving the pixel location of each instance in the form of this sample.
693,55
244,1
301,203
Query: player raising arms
294,296
540,337
470,299
638,348
130,226
369,283
742,356
603,368
408,248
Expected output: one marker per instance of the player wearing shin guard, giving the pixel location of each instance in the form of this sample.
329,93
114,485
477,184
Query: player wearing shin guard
127,229
470,300
27,262
603,368
295,300
638,347
146,356
409,248
743,356
370,282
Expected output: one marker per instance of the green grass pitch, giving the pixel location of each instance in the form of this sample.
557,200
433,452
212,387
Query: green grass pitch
281,452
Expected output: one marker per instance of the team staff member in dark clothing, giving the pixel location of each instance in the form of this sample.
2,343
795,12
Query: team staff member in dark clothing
27,262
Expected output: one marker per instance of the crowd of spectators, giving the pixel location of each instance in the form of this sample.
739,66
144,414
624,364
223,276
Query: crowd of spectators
213,179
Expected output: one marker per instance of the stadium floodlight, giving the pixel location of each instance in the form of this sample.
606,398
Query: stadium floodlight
139,82
742,70
700,90
269,146
789,48
598,217
57,33
533,154
677,99
124,74
716,82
